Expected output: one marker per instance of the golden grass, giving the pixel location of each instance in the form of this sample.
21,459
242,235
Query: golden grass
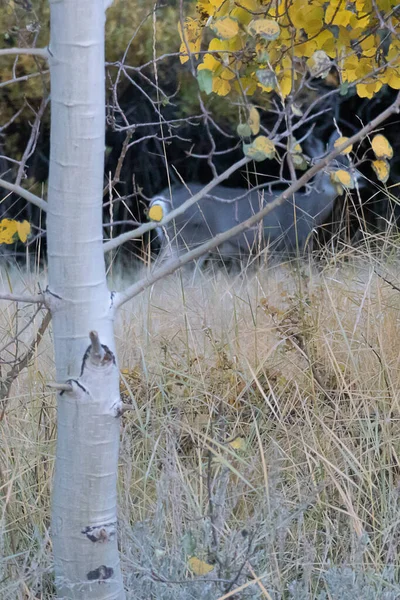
264,439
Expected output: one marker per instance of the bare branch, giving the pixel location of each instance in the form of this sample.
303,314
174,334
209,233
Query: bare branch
20,191
146,282
22,78
43,52
22,298
31,145
129,235
5,386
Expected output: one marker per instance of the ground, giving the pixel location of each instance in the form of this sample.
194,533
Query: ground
261,455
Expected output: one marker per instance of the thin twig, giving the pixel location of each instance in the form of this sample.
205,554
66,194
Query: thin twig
22,363
394,287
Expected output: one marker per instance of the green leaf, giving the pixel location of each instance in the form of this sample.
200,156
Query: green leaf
205,80
266,77
243,129
189,544
260,149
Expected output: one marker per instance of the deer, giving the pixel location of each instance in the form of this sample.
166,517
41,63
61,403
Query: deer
286,230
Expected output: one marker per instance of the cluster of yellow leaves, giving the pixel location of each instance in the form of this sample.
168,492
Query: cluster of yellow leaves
383,153
341,177
268,45
11,230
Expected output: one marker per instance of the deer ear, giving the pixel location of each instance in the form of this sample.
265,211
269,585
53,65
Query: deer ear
333,137
315,148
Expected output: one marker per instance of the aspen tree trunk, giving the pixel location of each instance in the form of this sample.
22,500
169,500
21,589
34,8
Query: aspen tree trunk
84,497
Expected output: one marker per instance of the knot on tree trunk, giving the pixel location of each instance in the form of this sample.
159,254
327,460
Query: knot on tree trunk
97,353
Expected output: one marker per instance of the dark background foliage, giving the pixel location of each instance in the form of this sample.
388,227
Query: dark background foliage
139,96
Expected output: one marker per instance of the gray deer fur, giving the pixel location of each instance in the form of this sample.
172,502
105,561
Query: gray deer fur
286,229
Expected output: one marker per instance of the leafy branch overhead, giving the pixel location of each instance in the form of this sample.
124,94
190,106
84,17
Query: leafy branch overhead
272,45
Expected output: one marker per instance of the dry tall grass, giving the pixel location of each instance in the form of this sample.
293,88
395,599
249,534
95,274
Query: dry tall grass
264,439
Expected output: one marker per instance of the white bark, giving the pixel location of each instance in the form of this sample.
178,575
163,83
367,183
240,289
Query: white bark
84,496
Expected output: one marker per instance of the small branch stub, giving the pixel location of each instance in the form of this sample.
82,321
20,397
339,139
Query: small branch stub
96,352
60,387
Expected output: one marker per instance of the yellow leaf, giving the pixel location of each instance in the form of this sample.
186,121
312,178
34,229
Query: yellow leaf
349,67
260,149
244,12
265,28
393,78
254,120
297,149
382,169
8,229
309,17
199,567
227,74
326,41
210,63
368,89
381,147
191,47
369,46
306,48
337,17
225,46
190,38
247,84
221,87
24,230
238,443
156,213
225,28
343,177
263,144
341,141
210,7
285,83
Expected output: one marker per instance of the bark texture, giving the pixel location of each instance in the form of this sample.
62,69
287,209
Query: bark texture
84,496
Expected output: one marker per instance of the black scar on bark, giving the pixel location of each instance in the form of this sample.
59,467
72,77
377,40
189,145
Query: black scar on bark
108,356
100,533
102,573
77,383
